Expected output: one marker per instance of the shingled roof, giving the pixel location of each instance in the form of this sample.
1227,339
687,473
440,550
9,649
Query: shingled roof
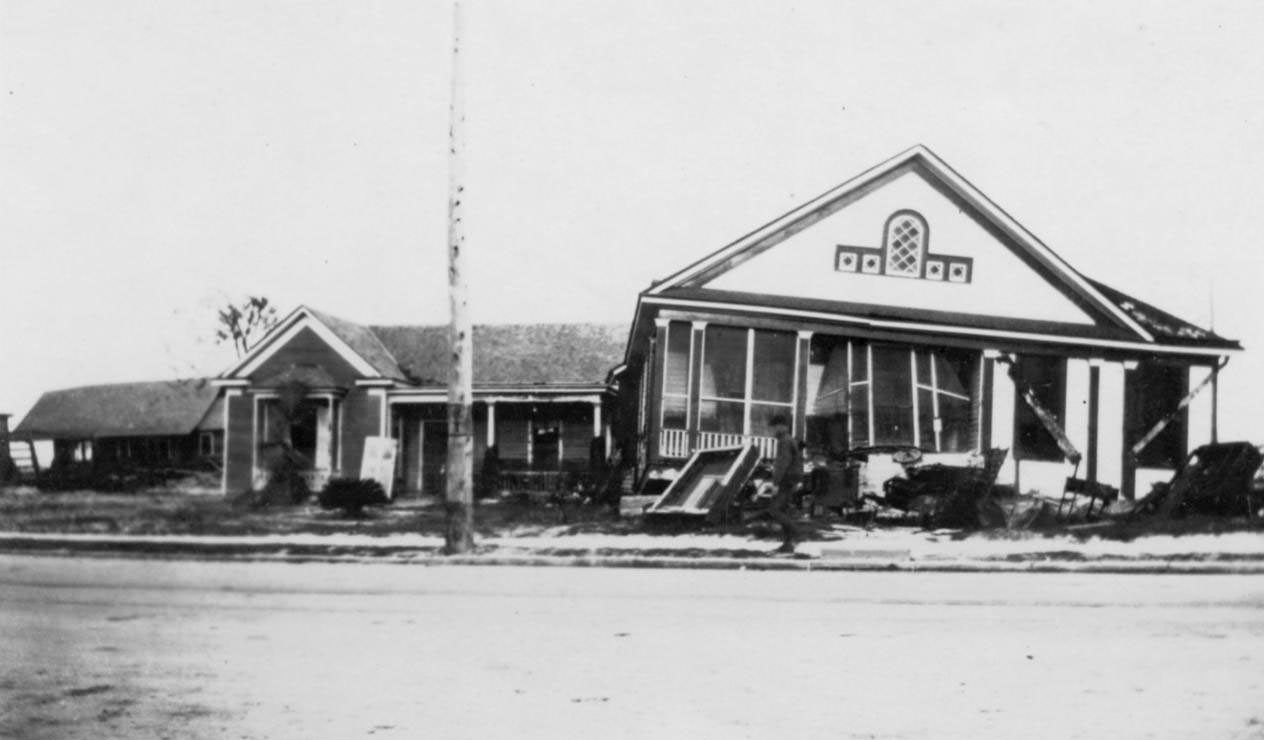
511,354
157,408
1164,326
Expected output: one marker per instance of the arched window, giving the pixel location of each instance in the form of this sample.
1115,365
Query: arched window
905,244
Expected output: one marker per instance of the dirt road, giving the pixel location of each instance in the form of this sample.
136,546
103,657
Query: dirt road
127,648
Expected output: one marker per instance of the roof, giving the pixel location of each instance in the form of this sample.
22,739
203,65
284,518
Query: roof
363,341
1165,327
511,354
529,355
157,408
928,163
1127,320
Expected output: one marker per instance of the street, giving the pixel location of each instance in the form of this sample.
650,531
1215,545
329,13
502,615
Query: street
93,648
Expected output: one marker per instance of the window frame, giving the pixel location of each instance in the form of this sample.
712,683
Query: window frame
748,401
1044,448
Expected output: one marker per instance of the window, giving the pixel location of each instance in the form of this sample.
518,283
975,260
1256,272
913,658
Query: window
1046,377
747,379
676,376
1158,391
905,244
883,394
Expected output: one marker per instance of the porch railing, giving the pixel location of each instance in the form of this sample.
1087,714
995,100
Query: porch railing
675,443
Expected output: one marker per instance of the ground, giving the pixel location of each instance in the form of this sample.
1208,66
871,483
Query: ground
175,511
124,648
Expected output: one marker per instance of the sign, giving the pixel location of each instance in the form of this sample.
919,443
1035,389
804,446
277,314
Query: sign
379,461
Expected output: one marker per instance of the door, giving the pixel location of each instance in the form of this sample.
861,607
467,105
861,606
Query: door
434,457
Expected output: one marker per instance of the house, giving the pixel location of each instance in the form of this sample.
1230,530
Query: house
156,424
904,308
322,385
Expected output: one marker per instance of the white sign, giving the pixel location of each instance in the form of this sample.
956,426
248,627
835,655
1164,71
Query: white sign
379,461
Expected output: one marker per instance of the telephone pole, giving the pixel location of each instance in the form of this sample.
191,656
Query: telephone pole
459,536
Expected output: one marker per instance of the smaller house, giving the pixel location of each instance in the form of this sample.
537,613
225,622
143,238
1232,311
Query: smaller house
156,424
320,386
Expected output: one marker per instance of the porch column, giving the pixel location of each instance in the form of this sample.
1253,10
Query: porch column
695,381
1110,422
1001,425
802,358
491,424
1200,427
654,406
596,406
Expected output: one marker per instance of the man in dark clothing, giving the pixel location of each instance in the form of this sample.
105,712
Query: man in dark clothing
787,471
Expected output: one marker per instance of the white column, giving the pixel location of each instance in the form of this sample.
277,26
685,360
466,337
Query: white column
1003,416
1199,410
491,423
1110,424
596,418
1076,422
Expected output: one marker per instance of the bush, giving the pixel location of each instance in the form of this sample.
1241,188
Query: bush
352,495
286,484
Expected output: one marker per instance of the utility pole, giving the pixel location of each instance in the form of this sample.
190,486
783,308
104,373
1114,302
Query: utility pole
459,536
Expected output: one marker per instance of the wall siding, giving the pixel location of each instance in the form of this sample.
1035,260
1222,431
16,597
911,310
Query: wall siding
239,445
361,417
307,348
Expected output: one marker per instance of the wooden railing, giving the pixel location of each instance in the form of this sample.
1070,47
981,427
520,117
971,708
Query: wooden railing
675,443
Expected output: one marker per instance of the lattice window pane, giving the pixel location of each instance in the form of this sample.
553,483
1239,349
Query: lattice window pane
906,239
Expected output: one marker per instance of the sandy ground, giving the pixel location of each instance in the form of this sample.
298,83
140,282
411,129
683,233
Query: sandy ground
115,648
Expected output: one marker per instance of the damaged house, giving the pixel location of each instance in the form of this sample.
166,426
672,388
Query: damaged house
905,309
323,385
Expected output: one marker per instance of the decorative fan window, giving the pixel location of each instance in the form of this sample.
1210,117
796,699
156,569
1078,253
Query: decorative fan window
905,244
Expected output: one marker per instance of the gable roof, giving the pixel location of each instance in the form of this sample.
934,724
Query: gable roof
511,354
504,354
157,408
943,177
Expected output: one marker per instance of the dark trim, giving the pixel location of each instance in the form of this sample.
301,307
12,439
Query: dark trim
1094,404
1128,463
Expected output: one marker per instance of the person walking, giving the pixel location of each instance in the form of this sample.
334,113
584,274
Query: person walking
787,472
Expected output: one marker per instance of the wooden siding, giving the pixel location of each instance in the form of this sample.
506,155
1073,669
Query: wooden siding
307,348
361,417
239,442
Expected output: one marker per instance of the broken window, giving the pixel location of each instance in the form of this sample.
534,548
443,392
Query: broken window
1046,377
1158,391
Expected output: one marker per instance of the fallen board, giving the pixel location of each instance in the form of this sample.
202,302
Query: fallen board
707,483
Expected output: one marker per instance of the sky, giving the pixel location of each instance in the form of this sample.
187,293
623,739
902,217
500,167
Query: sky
160,159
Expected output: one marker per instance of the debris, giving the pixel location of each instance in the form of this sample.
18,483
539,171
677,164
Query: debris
1215,479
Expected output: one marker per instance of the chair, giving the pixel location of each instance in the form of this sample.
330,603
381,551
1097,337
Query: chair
1092,489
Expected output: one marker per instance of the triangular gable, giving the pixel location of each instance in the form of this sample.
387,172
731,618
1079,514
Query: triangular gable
975,255
300,320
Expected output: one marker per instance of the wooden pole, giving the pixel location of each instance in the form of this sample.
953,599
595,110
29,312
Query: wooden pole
459,536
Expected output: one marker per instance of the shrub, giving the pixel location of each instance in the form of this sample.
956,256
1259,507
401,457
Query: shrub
352,495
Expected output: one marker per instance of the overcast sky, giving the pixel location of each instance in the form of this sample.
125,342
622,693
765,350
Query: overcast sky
160,158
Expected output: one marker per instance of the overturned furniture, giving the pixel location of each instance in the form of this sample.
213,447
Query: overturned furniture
706,487
1215,479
